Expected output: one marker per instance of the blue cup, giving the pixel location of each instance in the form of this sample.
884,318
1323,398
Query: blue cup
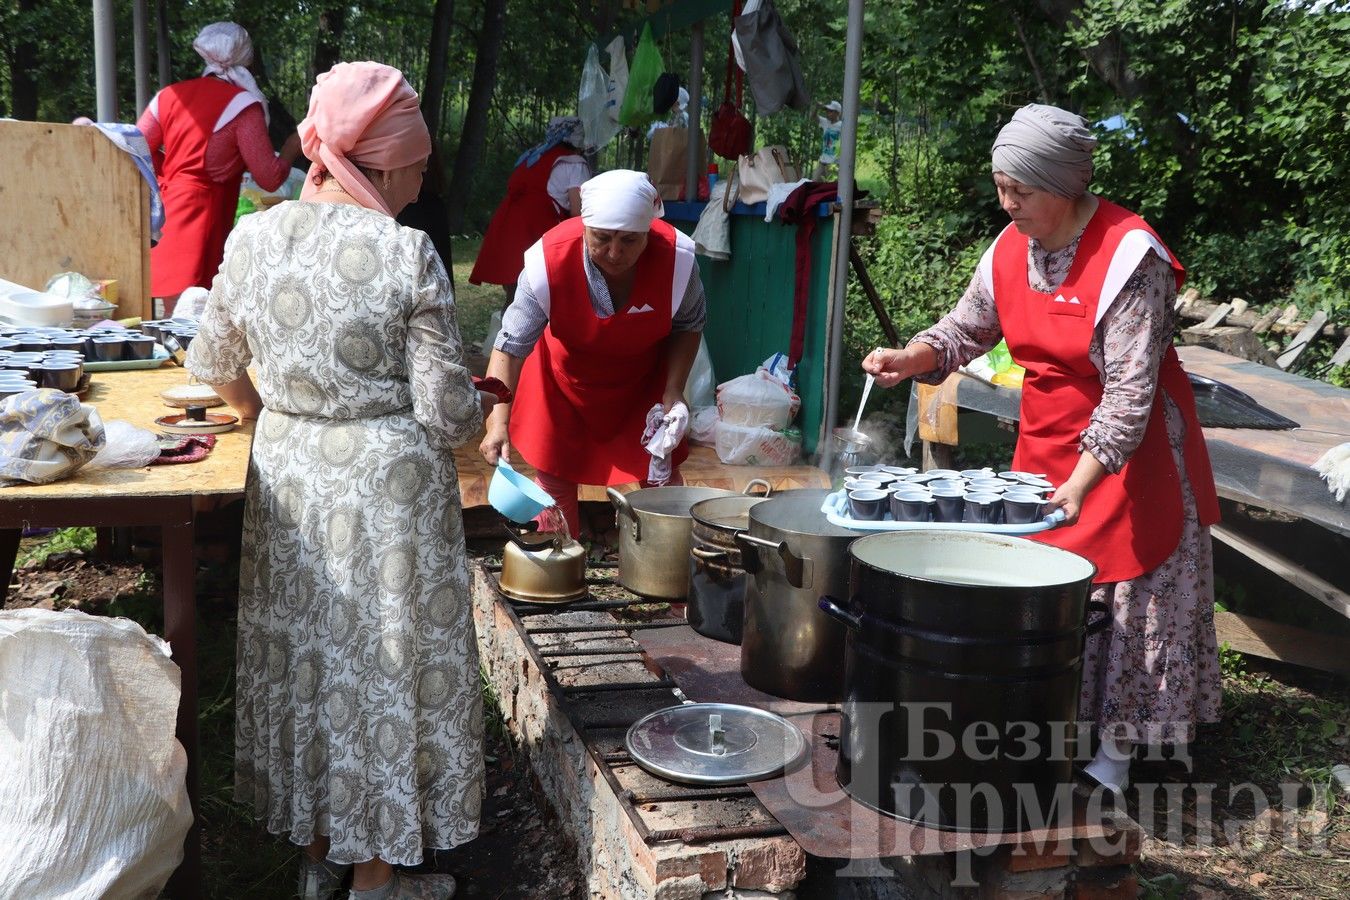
515,496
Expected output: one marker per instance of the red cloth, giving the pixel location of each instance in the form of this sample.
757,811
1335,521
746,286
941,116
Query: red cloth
192,448
800,209
585,390
198,210
1131,521
523,216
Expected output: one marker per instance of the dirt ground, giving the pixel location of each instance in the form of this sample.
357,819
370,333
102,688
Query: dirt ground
1286,834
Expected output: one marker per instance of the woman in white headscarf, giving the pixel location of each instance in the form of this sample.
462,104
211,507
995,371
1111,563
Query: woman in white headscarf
604,327
203,133
1083,292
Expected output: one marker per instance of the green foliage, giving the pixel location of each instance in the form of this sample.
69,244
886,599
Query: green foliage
64,541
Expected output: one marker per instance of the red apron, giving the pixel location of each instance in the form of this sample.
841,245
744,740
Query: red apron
1131,521
198,212
524,215
585,390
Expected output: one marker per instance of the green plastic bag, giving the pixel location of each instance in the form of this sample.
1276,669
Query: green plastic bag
1000,358
636,111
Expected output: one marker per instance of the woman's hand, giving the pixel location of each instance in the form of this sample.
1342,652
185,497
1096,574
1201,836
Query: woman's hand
890,367
497,443
669,399
1068,497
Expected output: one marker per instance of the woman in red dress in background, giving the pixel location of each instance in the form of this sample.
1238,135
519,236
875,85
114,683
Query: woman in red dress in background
203,133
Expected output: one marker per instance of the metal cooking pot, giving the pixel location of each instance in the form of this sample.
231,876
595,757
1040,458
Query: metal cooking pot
717,579
654,526
962,634
789,647
543,570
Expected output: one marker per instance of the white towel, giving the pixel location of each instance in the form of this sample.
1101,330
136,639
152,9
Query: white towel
1334,467
662,435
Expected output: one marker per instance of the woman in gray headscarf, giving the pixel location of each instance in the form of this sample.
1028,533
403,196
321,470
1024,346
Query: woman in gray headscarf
1083,292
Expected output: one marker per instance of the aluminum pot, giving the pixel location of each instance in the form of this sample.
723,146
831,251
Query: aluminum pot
789,647
974,638
654,526
717,578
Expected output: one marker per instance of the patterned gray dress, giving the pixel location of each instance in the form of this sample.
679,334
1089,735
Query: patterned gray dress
358,710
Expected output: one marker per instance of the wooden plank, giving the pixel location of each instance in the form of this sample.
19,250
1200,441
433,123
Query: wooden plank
1302,340
1285,643
1216,317
73,202
1268,319
1342,356
1290,571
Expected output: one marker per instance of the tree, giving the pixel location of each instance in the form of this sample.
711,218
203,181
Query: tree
474,131
437,56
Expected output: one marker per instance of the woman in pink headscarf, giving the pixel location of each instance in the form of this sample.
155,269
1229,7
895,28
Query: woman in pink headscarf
358,724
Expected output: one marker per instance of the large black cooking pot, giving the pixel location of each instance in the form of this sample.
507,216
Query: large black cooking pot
963,661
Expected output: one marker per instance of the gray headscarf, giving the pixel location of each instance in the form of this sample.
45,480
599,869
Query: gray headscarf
1048,148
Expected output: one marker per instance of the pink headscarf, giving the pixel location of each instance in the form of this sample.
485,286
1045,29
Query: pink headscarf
365,114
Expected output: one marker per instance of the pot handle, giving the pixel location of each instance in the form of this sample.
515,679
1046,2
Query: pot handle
768,488
798,569
1099,625
710,556
624,508
830,606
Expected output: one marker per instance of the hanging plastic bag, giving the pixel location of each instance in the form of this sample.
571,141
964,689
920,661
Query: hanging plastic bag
593,102
636,111
618,77
700,388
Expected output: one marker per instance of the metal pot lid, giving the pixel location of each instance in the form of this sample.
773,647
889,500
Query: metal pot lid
798,512
672,501
714,743
725,513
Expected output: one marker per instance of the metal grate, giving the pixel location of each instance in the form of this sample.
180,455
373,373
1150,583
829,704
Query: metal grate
575,698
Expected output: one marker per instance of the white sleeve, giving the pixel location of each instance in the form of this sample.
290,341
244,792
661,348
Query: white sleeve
567,172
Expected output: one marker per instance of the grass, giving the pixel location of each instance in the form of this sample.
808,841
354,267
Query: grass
64,540
474,303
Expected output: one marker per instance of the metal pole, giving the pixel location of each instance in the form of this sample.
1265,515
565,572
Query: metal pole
140,35
693,169
162,43
848,142
105,60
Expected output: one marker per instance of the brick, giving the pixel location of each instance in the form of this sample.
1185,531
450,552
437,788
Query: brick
1118,848
997,883
768,865
1041,855
1105,884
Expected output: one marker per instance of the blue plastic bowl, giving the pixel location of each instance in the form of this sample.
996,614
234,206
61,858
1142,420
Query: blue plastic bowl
515,496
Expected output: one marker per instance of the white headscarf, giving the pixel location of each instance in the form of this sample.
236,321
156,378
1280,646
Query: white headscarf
227,50
620,200
1048,148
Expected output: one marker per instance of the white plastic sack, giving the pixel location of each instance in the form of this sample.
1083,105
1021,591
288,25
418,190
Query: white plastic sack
703,426
618,77
700,388
125,447
593,99
755,445
94,799
757,399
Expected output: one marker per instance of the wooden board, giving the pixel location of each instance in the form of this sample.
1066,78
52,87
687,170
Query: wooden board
1286,643
73,201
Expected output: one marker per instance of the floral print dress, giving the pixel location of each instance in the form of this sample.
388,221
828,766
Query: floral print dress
1156,671
358,713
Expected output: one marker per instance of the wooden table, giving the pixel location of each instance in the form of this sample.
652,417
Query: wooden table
168,496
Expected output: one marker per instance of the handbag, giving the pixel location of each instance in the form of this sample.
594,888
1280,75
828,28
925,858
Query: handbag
754,174
729,133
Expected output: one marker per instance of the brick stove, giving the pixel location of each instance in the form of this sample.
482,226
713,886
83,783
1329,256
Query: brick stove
572,679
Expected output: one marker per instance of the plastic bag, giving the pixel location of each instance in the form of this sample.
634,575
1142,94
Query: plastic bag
764,397
703,426
700,388
125,447
636,111
94,794
755,445
618,77
593,103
